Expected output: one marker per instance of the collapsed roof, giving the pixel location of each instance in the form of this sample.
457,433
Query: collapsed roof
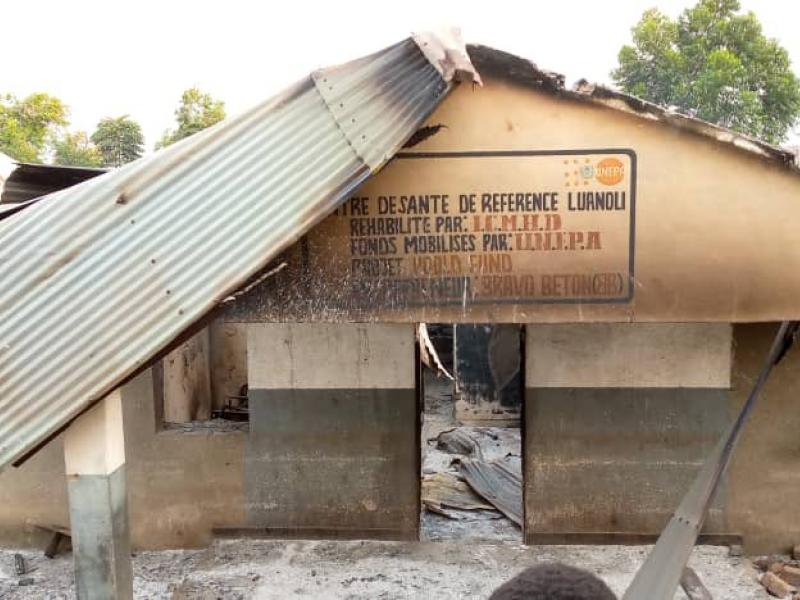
100,278
103,277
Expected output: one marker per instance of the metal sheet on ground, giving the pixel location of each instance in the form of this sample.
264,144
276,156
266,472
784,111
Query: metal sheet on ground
444,491
499,482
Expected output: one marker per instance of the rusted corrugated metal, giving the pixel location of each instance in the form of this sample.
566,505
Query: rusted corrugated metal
99,278
499,482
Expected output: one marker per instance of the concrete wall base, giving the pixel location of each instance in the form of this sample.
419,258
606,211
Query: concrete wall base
333,447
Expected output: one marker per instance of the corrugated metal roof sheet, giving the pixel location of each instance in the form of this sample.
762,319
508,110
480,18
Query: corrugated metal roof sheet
100,277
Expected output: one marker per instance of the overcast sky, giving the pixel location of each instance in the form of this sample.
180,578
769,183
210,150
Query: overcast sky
108,57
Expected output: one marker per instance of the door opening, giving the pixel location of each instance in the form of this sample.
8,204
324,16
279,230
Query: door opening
471,436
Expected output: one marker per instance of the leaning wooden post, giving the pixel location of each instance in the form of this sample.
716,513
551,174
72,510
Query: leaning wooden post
94,456
659,576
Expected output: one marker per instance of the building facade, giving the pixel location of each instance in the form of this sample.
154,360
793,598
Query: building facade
644,253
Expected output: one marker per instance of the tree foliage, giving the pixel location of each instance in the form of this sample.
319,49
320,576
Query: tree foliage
196,111
119,140
77,150
715,63
28,126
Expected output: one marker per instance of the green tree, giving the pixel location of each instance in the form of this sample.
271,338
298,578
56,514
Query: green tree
119,140
196,111
76,150
715,63
28,126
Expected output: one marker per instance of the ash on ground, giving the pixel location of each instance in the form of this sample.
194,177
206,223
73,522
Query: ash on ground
356,570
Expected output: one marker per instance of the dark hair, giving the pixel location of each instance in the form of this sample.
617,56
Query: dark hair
553,581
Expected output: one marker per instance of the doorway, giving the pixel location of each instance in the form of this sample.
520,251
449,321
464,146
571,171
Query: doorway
471,433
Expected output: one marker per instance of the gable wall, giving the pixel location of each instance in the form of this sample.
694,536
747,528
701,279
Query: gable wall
714,232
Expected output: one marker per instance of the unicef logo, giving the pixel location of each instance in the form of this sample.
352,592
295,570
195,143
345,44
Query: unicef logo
587,171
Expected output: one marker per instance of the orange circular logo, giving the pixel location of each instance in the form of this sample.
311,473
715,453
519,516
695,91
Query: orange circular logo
609,171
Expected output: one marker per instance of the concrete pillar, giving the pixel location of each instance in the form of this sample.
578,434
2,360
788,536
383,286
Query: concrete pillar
94,456
487,359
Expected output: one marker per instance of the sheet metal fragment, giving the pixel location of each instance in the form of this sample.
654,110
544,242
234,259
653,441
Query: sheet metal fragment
443,491
459,441
428,353
100,278
499,482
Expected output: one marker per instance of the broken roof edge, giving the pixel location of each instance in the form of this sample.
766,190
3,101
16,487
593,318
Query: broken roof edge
446,51
30,181
521,71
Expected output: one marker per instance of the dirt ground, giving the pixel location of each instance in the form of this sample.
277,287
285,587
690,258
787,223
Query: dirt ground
362,570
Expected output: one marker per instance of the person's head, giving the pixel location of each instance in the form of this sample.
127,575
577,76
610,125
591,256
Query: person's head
553,581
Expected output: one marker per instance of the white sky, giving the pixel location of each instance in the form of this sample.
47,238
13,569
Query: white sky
108,58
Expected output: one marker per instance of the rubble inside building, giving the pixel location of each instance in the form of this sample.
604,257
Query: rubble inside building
454,506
